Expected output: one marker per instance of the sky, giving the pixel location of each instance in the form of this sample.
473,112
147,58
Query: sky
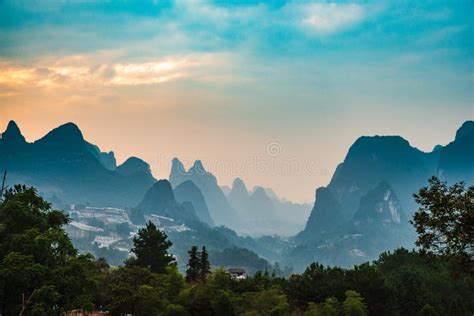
273,92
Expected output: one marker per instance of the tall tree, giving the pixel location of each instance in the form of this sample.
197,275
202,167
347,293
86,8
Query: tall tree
194,265
40,271
150,247
205,266
445,220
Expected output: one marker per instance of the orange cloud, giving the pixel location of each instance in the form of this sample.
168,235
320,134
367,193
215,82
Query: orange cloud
66,72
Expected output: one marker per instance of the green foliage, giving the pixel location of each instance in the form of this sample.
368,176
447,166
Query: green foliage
174,282
149,301
194,263
204,265
175,310
267,302
416,280
222,280
316,284
241,257
39,263
370,281
114,256
137,290
354,304
428,310
330,307
222,304
150,247
37,259
121,287
198,265
197,299
445,221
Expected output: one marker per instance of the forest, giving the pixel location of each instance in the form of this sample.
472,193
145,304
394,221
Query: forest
41,273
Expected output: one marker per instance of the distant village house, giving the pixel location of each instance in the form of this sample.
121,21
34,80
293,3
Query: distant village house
237,273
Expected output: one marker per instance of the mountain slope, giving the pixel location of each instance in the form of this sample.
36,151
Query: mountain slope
64,165
239,196
380,206
366,207
187,191
106,159
219,208
456,162
160,200
264,213
370,161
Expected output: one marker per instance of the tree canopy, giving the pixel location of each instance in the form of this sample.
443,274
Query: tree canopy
150,247
41,273
445,221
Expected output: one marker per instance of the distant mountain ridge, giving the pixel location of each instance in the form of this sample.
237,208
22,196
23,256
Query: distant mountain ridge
160,200
187,191
456,161
362,211
256,203
64,165
266,213
219,208
370,196
106,158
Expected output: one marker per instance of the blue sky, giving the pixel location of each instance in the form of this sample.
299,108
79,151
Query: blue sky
273,28
220,80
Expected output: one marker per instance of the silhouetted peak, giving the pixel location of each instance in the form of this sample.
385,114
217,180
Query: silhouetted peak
239,185
188,192
159,197
367,145
12,127
67,134
380,141
198,168
198,164
107,159
133,165
70,129
163,185
259,192
162,190
271,194
177,166
465,129
13,134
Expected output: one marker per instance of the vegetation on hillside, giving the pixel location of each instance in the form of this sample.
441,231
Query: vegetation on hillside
42,274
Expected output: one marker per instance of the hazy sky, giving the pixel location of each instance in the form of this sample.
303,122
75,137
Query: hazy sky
274,92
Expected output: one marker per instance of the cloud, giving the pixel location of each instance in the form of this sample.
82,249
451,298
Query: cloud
74,71
329,18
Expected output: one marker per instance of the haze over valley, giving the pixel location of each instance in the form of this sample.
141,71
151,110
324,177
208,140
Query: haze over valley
365,208
236,158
